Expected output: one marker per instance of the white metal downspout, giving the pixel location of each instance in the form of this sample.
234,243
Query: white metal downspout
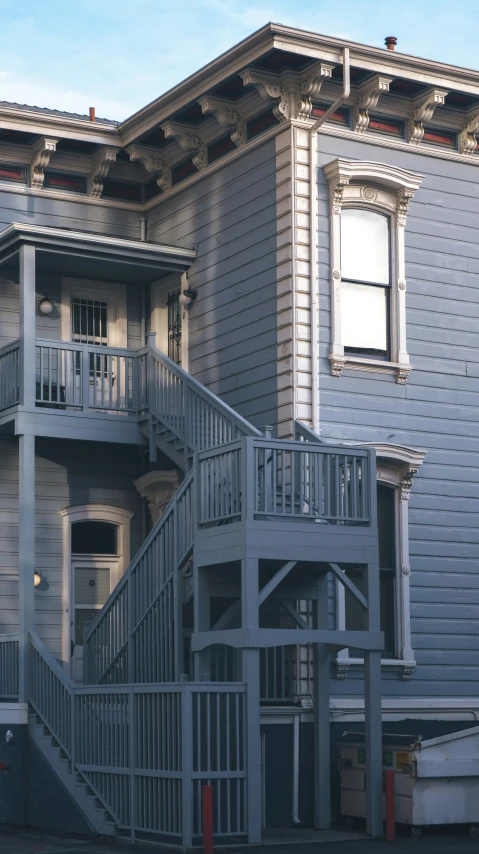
313,230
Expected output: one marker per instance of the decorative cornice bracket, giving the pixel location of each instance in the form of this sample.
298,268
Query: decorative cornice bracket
227,115
99,170
188,141
368,97
41,154
423,109
467,137
153,163
292,92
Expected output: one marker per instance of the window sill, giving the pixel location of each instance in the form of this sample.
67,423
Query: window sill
342,666
356,363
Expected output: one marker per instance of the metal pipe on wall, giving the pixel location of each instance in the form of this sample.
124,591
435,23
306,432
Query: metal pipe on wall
313,208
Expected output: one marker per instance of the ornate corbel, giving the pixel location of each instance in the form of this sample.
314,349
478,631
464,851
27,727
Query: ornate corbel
188,141
423,109
158,488
100,167
467,137
368,97
153,163
227,115
291,92
310,86
269,87
41,154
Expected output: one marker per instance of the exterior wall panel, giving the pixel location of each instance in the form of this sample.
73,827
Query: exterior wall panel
437,410
230,217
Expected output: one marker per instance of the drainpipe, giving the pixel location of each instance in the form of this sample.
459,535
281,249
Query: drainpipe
143,228
313,207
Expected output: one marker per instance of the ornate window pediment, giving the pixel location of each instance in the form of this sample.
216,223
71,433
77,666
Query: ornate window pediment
380,188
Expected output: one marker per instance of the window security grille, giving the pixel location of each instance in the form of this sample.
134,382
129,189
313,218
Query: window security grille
174,326
89,326
89,322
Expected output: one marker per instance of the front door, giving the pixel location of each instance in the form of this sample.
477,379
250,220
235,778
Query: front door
93,579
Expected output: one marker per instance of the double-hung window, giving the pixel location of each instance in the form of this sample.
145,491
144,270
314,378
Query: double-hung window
369,203
365,283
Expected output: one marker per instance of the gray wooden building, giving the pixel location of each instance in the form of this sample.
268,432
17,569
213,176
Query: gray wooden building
239,378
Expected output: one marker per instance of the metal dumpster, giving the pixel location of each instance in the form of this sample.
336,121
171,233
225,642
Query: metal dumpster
436,781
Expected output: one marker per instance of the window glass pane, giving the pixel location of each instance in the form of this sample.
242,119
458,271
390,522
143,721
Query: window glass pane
93,538
364,317
387,558
386,594
364,246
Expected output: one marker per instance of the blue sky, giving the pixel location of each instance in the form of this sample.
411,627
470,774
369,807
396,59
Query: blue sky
118,55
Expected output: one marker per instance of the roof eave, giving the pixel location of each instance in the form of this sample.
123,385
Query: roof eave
55,240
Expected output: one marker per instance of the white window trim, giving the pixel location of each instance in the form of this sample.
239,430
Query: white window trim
93,513
113,294
384,189
396,466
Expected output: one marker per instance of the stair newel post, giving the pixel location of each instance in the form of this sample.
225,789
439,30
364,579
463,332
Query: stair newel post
186,696
133,724
85,377
150,341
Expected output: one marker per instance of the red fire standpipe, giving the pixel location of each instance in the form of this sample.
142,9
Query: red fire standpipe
207,820
389,797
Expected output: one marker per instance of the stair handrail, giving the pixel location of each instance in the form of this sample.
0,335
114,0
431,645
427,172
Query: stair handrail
50,693
192,385
132,624
304,433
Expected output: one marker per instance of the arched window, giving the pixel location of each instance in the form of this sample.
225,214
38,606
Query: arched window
94,538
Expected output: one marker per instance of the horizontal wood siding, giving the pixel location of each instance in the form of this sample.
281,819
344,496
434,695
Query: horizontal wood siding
230,218
67,474
437,410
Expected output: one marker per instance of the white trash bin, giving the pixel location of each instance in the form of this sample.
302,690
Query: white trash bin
435,781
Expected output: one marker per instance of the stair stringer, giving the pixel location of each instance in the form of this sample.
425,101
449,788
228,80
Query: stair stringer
86,800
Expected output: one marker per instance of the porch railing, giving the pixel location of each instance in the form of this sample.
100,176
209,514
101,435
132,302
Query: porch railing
8,667
10,375
146,751
279,479
133,637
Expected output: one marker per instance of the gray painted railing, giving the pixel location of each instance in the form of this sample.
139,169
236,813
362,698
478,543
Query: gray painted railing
288,480
134,637
8,667
146,751
89,377
195,415
9,375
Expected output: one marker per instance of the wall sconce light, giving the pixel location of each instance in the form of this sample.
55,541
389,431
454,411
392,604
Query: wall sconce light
187,297
46,305
37,579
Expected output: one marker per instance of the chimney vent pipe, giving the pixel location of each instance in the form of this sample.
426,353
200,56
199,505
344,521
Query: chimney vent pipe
92,114
390,42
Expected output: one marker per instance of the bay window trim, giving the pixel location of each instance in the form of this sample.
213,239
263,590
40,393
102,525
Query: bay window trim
396,467
383,189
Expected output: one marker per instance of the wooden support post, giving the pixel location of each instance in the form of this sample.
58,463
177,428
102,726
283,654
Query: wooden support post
27,327
372,689
322,734
251,675
373,726
26,555
207,792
